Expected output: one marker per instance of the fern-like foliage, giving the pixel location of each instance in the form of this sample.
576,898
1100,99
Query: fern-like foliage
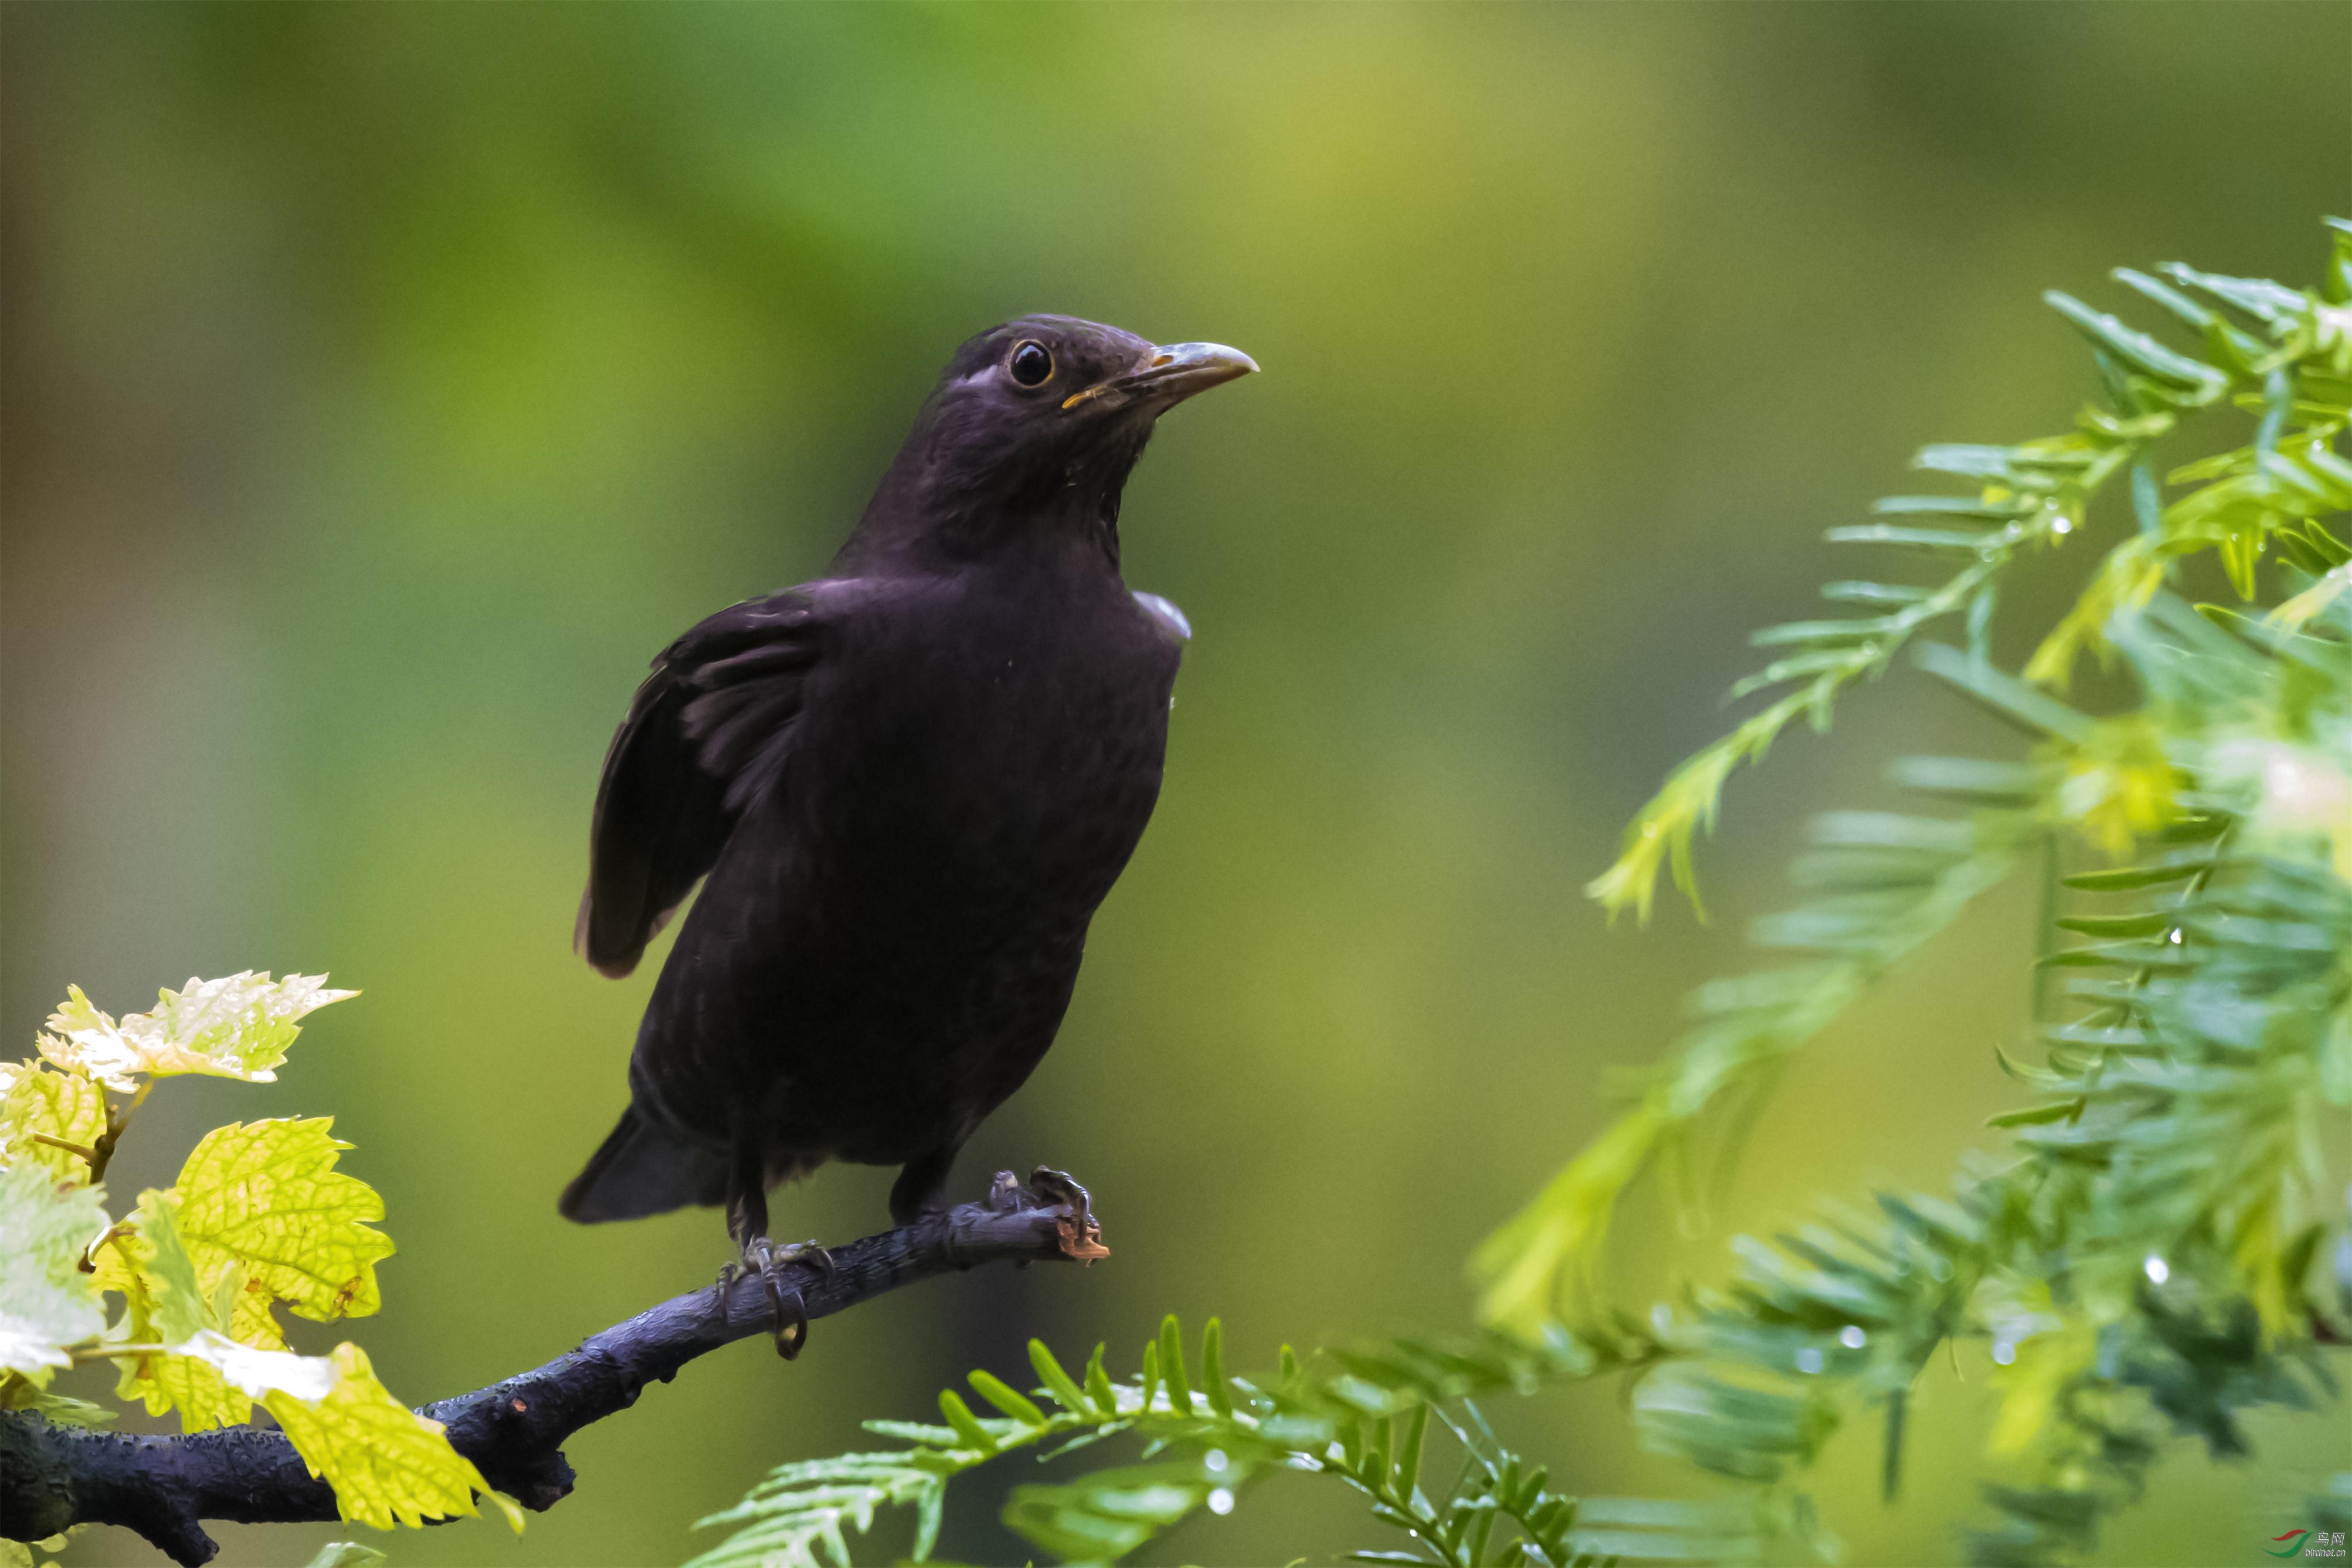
1362,1418
2280,352
2149,1261
2282,358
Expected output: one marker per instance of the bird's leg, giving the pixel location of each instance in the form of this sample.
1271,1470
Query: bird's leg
918,1189
789,1311
747,1222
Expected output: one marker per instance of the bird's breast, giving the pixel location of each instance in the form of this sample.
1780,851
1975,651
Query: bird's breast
995,762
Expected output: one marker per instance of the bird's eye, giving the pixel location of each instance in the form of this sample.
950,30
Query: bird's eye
1032,363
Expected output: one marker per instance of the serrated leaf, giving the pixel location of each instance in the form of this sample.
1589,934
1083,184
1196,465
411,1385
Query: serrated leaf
68,1106
180,1304
265,1196
209,1377
47,1302
237,1028
387,1464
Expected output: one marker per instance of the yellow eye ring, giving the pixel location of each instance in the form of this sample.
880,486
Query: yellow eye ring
1031,364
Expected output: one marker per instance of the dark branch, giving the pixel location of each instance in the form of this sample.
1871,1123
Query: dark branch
53,1476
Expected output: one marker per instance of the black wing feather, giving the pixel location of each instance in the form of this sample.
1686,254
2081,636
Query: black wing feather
706,736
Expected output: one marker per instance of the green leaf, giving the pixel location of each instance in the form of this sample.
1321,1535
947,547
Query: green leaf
2003,694
1171,1366
47,1302
345,1554
1973,507
210,1377
1883,594
2039,1115
236,1027
1408,1459
1935,539
1059,1383
1967,778
23,1393
2180,865
1212,1368
265,1196
35,1098
1100,1391
968,1429
803,1508
1102,1516
2139,351
1002,1395
387,1464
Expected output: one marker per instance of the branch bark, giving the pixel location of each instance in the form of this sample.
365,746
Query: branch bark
54,1476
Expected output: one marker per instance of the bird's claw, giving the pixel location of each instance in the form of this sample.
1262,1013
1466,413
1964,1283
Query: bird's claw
1081,1233
789,1310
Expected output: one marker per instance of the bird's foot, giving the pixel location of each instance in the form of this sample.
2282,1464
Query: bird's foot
1081,1233
768,1260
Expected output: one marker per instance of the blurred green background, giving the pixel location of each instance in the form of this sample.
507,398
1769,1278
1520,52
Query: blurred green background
385,384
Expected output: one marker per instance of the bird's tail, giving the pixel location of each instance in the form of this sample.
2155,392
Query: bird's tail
642,1170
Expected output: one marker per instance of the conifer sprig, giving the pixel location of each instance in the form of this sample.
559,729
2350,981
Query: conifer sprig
2149,1261
2280,354
1368,1420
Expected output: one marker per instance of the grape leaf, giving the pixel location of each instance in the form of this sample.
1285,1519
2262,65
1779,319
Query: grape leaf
47,1302
209,1376
152,1269
265,1196
235,1027
34,1098
386,1463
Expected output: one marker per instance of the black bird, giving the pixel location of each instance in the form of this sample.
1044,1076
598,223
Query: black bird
908,783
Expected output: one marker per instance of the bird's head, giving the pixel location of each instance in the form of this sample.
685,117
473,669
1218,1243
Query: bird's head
1036,422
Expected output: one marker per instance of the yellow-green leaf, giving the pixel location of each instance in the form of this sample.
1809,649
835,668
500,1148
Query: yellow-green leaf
235,1027
386,1463
47,1302
180,1308
2119,785
265,1196
2040,1367
68,1106
209,1377
168,1304
1559,1233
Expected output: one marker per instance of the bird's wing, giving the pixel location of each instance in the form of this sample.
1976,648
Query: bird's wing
706,736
